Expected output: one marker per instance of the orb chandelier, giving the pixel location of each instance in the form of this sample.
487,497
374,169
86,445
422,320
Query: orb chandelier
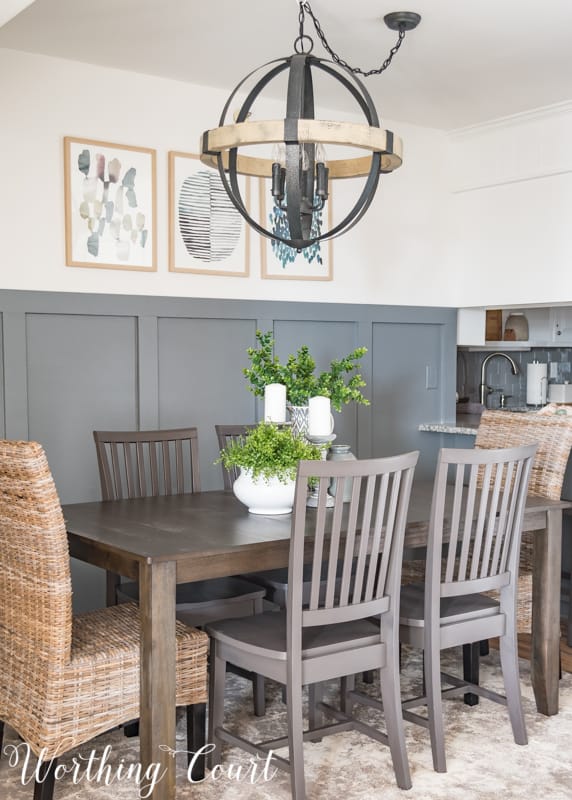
299,170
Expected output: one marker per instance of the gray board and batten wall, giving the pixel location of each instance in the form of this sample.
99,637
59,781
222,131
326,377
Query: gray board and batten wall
73,363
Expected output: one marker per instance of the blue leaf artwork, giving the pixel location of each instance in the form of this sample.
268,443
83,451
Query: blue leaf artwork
287,255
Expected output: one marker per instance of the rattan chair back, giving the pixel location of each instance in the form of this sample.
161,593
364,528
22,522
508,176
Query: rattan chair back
64,679
552,432
35,581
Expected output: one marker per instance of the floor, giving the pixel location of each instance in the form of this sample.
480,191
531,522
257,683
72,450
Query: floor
483,761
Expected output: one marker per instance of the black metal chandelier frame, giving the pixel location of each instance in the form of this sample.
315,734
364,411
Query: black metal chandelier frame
300,185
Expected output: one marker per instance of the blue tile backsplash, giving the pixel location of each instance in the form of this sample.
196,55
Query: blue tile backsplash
500,377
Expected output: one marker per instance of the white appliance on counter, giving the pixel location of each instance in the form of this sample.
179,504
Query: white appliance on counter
536,383
560,392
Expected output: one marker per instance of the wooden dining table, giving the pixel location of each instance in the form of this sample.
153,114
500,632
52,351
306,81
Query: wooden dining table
163,541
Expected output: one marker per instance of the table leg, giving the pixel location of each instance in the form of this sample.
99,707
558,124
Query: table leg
545,656
157,584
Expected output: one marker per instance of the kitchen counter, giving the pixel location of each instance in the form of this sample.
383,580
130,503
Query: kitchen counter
466,421
464,424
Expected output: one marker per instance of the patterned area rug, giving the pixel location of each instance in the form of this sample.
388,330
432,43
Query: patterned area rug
482,760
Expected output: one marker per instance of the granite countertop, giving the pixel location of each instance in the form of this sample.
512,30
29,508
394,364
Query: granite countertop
466,420
464,424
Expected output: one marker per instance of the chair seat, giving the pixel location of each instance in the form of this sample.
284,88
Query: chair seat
275,581
453,609
265,634
201,594
110,634
105,656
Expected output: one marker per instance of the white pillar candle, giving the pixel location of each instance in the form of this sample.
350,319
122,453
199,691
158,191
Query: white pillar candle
275,402
320,420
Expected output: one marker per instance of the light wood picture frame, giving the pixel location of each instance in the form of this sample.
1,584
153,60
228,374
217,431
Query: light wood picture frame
110,205
207,235
280,262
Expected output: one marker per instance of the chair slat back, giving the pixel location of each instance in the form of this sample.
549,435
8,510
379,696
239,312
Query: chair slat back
552,432
35,581
478,505
147,463
360,540
225,435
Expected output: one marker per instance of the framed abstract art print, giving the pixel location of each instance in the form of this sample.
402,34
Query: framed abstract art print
207,235
110,205
280,262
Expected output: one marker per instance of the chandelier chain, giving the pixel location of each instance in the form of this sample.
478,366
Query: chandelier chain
305,7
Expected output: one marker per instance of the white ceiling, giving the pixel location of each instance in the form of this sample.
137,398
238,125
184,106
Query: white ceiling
469,61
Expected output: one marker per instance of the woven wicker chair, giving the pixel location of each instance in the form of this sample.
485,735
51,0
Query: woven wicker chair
66,679
553,432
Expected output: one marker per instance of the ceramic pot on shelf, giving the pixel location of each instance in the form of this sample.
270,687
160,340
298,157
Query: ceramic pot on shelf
516,327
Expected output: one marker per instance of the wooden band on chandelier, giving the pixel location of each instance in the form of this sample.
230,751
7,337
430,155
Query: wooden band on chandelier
376,140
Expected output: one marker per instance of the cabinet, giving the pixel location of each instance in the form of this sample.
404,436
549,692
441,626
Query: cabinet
561,325
549,326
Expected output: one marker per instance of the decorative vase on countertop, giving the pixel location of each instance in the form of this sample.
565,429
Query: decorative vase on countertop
341,452
516,327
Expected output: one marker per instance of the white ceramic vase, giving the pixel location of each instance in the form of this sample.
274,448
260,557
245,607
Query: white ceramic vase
264,496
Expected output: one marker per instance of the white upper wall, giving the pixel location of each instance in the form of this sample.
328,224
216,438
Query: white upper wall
478,217
395,255
511,210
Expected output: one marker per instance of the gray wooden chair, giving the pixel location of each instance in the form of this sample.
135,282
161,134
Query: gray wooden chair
136,464
478,500
274,581
333,636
